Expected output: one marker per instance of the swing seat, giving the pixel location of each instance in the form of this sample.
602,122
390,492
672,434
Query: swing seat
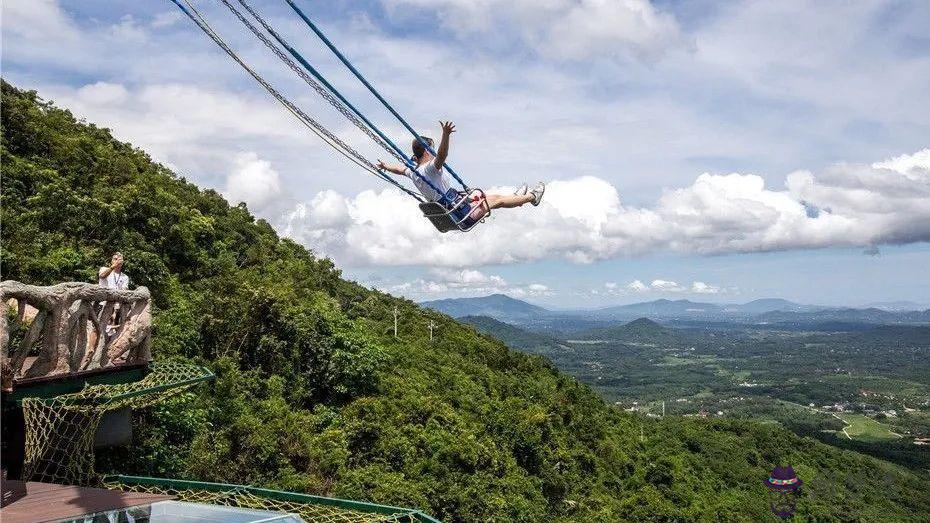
462,212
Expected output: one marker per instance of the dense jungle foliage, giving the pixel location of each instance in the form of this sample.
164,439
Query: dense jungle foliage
314,394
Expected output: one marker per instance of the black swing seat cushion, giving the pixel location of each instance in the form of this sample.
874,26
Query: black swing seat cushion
461,212
439,216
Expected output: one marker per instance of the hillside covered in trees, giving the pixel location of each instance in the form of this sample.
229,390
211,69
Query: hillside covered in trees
313,393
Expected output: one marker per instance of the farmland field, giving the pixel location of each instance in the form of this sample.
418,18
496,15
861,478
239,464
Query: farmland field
864,428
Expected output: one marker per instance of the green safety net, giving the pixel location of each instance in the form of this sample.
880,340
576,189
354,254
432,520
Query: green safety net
312,509
59,448
60,430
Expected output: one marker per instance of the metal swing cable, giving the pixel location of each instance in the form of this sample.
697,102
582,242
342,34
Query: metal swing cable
324,88
327,92
371,88
327,136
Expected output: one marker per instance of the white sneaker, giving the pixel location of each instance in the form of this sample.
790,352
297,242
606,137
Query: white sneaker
538,192
521,190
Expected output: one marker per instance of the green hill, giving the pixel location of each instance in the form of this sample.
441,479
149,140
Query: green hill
314,394
641,331
513,336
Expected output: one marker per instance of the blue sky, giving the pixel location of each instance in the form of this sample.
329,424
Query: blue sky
721,151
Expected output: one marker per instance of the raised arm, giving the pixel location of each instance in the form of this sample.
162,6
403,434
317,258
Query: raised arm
115,263
447,129
394,169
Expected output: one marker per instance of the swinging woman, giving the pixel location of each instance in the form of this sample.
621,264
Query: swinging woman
429,167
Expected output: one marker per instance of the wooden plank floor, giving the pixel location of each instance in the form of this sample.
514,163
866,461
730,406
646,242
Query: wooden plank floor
34,502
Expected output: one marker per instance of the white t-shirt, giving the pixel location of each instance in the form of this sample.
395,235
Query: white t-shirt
437,176
114,280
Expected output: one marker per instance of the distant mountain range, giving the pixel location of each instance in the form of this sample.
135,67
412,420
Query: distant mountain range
769,311
639,331
647,332
897,306
666,308
871,315
497,306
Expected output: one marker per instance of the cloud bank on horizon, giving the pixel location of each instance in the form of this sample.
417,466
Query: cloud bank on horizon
583,219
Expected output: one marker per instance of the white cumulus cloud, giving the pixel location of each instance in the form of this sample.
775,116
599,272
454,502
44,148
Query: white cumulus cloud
252,181
700,287
583,219
36,19
468,278
658,286
462,282
561,29
665,286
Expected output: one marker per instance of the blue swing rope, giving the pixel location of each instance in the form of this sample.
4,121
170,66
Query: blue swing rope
362,79
385,141
327,136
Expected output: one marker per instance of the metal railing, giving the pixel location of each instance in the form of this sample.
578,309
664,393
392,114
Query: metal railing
311,508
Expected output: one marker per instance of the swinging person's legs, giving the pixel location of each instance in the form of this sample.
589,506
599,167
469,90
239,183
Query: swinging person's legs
500,201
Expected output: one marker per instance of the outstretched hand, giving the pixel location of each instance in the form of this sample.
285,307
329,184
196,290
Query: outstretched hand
447,127
381,165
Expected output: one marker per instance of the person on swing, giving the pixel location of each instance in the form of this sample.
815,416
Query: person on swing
430,167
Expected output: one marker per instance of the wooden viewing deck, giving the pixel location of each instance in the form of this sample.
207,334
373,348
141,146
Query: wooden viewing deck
34,502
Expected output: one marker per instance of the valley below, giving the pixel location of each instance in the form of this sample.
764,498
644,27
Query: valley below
854,385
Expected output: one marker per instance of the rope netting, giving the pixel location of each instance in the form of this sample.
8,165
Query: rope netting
59,448
311,508
60,430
